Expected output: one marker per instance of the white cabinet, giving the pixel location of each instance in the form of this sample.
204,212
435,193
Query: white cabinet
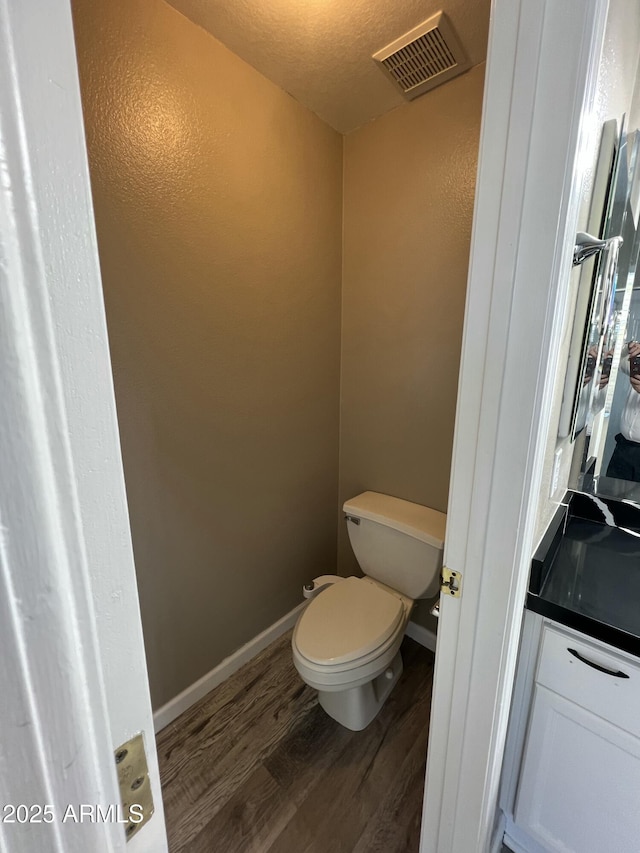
580,784
576,779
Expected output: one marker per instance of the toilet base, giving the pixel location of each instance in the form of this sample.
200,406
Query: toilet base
356,707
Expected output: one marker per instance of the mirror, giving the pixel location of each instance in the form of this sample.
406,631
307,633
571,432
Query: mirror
601,401
592,290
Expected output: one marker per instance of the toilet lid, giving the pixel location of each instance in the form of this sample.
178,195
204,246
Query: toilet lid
346,621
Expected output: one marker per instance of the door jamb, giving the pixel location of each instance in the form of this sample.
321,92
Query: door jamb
541,77
70,630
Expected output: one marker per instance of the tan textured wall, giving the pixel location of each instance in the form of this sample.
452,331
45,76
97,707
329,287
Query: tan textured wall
218,208
409,181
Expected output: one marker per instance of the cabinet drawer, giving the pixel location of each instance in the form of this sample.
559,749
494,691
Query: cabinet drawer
592,676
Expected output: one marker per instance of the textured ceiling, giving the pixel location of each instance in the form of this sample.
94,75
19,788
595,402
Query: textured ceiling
320,50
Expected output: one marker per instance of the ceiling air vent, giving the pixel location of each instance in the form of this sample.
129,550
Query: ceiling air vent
424,58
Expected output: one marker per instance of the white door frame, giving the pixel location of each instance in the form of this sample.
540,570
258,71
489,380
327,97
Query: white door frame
541,74
72,668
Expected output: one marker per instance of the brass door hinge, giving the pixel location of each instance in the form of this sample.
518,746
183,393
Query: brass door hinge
451,582
135,785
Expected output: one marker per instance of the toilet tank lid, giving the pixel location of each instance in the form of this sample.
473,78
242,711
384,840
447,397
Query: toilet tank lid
420,522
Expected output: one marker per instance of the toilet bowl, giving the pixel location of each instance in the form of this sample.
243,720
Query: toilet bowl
346,644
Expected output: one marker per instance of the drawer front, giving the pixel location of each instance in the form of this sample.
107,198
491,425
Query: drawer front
592,676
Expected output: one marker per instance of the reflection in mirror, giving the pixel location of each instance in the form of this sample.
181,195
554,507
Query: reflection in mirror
607,420
590,308
619,455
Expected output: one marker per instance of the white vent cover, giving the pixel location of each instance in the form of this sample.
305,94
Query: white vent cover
425,57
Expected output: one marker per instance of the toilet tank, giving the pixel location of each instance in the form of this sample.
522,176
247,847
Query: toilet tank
397,542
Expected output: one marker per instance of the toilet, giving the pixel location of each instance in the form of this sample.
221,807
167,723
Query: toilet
346,643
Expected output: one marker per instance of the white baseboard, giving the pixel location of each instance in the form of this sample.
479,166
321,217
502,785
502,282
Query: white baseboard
179,704
421,635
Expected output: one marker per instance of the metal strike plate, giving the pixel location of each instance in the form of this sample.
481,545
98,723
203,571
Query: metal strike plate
135,786
451,583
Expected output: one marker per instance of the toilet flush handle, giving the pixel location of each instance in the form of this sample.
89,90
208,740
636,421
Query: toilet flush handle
352,518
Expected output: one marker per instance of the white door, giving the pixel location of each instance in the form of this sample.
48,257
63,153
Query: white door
540,83
73,680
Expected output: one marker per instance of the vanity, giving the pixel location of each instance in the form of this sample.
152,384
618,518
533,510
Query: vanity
571,780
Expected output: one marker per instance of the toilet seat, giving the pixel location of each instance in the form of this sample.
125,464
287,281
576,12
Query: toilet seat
342,672
347,625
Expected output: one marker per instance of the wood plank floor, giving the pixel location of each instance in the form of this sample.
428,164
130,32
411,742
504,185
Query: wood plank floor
258,767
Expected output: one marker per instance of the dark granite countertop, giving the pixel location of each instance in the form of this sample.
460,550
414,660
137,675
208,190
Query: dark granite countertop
586,575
